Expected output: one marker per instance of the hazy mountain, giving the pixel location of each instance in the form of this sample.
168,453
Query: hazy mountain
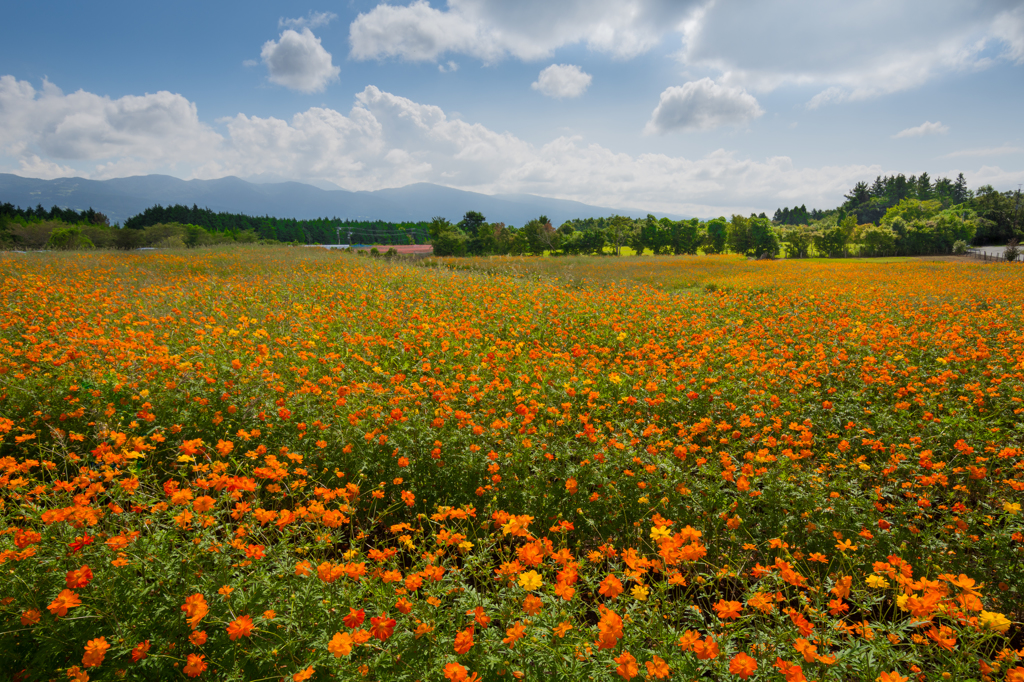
121,198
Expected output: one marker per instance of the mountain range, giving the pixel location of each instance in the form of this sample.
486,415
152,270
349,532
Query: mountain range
121,198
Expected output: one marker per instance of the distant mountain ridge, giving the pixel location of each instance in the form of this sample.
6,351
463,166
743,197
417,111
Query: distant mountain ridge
121,198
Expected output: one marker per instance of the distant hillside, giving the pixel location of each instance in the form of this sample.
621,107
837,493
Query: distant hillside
121,198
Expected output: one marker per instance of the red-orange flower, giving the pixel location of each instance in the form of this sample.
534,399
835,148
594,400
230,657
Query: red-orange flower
354,618
95,651
240,627
514,634
79,577
728,609
627,669
140,651
658,668
464,640
194,665
455,672
610,587
706,649
195,608
381,627
742,665
64,601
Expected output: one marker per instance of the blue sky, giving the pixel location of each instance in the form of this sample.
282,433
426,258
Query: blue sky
682,106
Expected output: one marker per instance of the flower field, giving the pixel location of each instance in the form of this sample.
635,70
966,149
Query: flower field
285,464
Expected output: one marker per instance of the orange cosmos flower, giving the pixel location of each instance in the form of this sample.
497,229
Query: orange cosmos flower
482,619
240,627
464,640
195,608
79,577
354,618
742,665
403,605
610,587
564,591
77,674
514,634
198,637
455,672
140,651
728,609
341,644
381,627
561,629
658,668
30,617
706,650
892,677
95,651
1015,675
194,665
532,605
303,675
627,669
64,601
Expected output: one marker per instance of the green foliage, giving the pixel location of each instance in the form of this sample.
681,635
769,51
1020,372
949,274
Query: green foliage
738,235
68,239
717,235
447,239
798,240
764,240
878,241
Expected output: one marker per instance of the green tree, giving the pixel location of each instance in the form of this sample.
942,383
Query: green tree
764,240
738,236
717,231
618,230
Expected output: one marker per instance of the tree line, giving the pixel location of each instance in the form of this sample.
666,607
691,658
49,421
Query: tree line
895,216
179,226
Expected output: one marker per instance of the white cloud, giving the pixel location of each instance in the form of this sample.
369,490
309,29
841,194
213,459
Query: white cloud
525,29
298,61
161,127
311,20
851,51
702,105
385,140
562,80
926,128
1009,28
987,151
452,67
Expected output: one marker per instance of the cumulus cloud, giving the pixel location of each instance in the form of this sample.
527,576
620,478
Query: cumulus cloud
525,29
298,61
452,67
385,140
702,105
562,80
311,20
926,128
849,51
162,127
